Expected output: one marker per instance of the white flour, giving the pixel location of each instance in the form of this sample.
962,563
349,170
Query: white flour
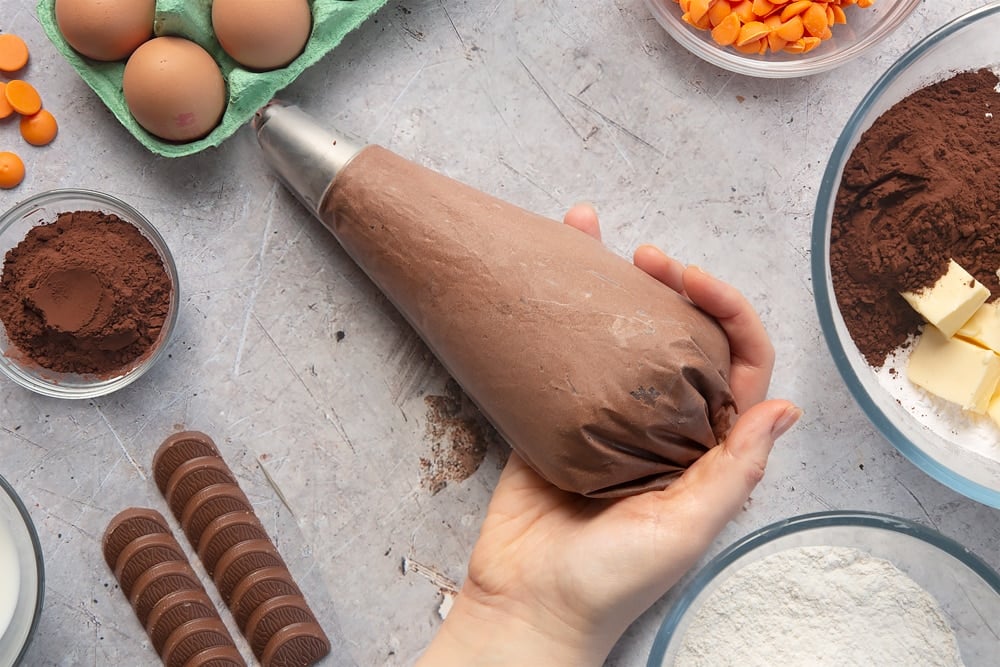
819,606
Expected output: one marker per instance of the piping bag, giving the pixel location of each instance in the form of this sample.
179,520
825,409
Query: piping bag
606,382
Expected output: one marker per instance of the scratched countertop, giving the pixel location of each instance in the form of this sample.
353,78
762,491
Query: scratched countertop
327,405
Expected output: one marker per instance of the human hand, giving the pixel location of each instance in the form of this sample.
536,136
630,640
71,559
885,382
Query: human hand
555,578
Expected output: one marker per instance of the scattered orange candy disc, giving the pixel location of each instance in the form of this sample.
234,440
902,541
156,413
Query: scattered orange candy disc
11,170
39,129
5,108
23,97
38,126
13,53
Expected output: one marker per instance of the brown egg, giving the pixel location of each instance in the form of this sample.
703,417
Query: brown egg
105,29
174,89
262,34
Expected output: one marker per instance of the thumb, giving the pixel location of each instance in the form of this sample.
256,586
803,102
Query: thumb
720,482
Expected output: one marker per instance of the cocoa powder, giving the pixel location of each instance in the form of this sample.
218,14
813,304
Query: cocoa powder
85,294
920,188
460,436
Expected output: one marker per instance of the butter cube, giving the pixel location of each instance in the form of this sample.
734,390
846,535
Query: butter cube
951,301
984,327
954,370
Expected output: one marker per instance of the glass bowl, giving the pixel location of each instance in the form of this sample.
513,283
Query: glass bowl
20,560
966,589
44,208
969,42
864,29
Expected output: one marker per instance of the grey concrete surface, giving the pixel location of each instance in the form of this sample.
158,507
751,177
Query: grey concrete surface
544,103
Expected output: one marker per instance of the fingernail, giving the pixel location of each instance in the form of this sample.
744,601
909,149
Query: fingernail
786,421
700,270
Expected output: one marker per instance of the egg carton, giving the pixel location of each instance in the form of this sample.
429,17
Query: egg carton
247,90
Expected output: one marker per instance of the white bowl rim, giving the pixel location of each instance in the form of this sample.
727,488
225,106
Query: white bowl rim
39,564
802,523
825,303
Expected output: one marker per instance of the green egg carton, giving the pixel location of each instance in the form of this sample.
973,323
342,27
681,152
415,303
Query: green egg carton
248,91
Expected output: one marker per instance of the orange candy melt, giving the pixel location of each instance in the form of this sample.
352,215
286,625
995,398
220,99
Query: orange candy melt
759,26
11,170
39,129
5,108
13,53
23,97
38,126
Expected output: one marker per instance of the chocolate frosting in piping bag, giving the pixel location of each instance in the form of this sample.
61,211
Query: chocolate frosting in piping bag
603,380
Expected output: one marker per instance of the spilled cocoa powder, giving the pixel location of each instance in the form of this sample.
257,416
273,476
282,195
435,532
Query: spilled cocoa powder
460,436
85,294
920,188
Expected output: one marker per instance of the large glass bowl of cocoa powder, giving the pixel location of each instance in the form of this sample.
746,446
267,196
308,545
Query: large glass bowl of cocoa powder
912,183
88,294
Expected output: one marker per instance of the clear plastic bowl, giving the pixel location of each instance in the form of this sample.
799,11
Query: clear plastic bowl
44,208
19,539
864,29
969,42
966,588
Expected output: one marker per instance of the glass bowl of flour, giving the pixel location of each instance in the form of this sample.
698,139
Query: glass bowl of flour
836,589
903,193
22,578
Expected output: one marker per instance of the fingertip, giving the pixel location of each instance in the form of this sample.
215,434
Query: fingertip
698,279
716,297
756,430
789,418
583,216
659,265
647,253
719,483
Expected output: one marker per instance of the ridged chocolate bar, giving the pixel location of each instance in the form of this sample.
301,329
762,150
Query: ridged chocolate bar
177,449
240,560
143,553
192,638
128,525
159,581
191,477
237,552
271,616
208,504
174,610
217,656
296,644
258,587
165,593
225,532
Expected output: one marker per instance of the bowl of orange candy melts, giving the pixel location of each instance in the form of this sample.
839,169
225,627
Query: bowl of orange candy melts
779,38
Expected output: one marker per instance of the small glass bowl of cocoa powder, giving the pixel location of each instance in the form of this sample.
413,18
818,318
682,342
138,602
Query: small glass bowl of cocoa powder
910,185
88,294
